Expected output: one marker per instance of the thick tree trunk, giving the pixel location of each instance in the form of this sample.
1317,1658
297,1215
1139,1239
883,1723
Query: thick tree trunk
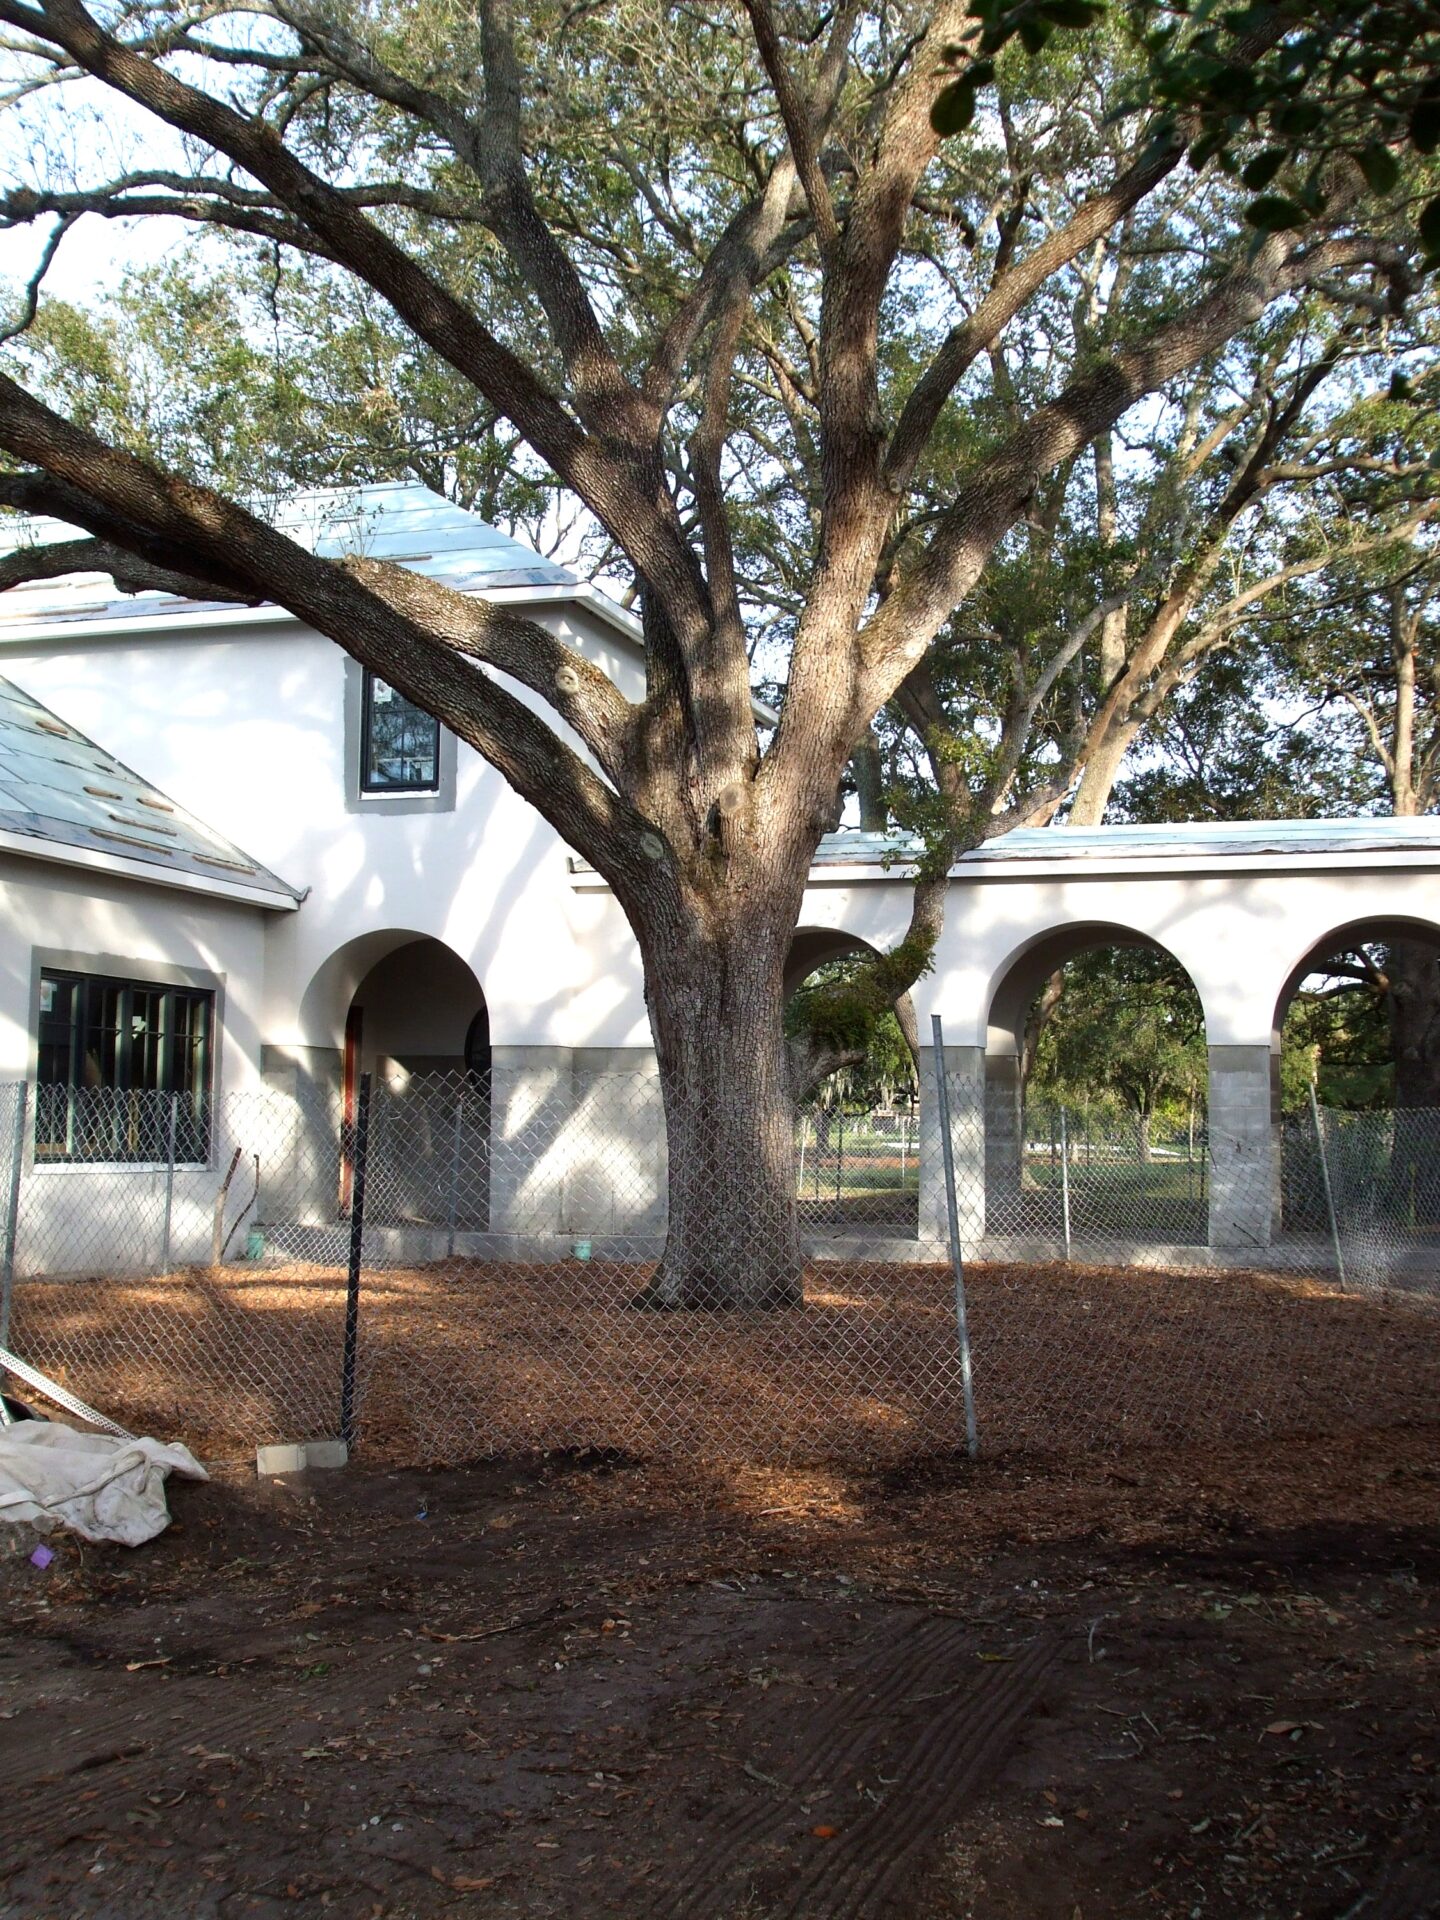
1414,975
716,1014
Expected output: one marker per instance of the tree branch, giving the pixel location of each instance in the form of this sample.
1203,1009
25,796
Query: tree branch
337,600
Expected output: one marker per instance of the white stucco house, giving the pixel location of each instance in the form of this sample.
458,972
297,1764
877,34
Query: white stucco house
230,858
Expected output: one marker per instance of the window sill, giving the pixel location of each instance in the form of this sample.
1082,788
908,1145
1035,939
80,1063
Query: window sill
40,1163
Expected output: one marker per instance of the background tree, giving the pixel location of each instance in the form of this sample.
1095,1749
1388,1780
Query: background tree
1129,1026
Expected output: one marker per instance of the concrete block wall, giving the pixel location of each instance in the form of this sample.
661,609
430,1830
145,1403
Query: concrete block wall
1244,1149
964,1069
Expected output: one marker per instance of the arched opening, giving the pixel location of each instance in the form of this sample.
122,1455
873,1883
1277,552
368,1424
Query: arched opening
417,1023
1357,1094
1359,1018
858,1135
1096,1093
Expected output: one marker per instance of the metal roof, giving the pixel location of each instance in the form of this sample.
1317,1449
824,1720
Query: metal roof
1187,839
62,796
398,521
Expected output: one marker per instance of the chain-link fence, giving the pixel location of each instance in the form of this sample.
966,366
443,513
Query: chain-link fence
535,1259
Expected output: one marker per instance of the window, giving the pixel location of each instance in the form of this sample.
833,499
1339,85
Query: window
112,1053
400,745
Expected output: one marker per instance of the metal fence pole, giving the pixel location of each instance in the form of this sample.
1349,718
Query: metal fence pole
947,1147
169,1183
1329,1191
357,1243
1065,1181
12,1210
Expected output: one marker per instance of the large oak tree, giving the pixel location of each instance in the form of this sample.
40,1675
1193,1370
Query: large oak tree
705,271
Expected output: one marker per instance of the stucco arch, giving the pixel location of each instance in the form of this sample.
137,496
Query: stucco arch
331,990
814,947
1350,933
1020,976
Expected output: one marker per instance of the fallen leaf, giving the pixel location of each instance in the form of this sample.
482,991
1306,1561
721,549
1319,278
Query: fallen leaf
825,1833
137,1666
462,1882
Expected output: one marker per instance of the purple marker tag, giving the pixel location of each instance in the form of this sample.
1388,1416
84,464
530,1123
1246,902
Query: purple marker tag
41,1557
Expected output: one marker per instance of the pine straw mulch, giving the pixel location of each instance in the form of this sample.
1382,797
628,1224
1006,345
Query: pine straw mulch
462,1360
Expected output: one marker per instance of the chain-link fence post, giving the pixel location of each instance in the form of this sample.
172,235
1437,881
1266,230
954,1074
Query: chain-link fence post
12,1210
359,1156
952,1209
1329,1190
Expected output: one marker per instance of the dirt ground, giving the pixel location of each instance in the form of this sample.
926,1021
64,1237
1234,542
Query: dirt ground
1162,1684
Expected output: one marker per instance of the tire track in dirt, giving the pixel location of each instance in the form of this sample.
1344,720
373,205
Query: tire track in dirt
835,1741
848,1736
53,1812
859,1872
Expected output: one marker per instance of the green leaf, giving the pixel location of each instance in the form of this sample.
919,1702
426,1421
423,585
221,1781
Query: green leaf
1263,168
953,109
1429,225
1072,13
1425,123
1399,387
1380,168
1273,213
1034,34
1298,117
1206,147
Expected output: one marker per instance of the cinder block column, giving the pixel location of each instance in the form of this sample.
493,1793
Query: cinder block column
616,1179
296,1132
1004,1142
532,1137
965,1083
1244,1160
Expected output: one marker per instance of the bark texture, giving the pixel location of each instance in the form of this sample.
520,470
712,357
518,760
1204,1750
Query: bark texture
1413,973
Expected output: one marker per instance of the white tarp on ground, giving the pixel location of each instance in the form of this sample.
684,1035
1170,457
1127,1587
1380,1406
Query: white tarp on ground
104,1488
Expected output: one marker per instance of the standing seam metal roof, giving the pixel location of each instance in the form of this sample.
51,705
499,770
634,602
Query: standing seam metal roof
400,522
59,789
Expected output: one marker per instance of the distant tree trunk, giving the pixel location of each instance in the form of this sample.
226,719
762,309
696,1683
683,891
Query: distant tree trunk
1037,1020
1414,1002
870,784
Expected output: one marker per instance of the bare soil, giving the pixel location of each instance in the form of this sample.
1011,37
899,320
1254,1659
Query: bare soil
463,1359
1178,1683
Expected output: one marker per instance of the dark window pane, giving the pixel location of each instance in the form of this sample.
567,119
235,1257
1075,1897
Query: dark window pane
401,748
146,1015
110,1056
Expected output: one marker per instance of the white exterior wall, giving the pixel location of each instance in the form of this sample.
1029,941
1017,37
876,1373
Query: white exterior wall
242,718
77,1217
1239,928
244,724
130,929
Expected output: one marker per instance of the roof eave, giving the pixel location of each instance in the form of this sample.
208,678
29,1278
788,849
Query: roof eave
161,620
95,860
